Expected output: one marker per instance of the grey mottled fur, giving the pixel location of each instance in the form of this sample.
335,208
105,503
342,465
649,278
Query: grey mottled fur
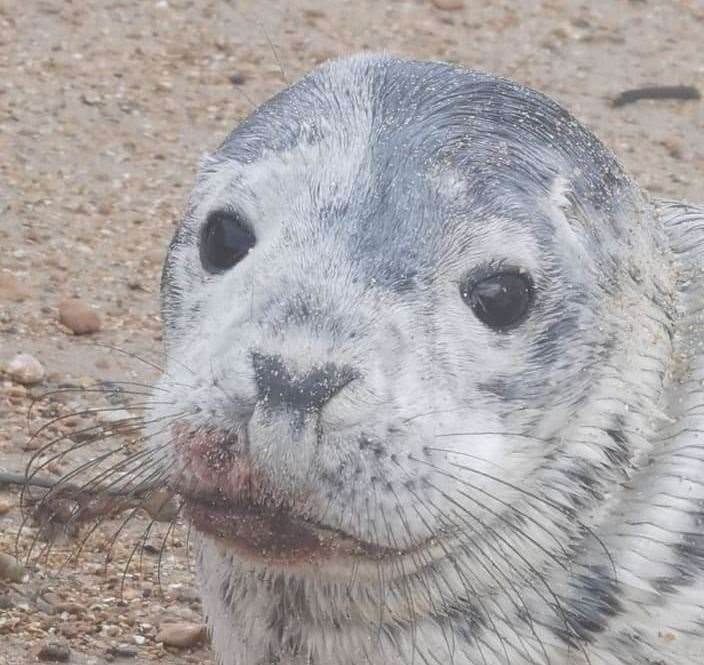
559,467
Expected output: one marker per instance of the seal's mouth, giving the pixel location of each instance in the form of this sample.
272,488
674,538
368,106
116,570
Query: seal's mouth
276,536
227,498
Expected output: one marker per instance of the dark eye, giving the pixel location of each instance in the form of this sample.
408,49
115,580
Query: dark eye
225,240
500,301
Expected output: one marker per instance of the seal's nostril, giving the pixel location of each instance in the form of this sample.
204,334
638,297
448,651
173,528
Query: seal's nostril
278,387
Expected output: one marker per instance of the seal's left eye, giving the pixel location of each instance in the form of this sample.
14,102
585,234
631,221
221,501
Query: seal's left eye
225,240
500,301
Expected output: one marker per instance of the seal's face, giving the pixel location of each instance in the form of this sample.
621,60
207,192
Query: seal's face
376,311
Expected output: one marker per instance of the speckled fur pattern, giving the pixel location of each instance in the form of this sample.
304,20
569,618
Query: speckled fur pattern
549,481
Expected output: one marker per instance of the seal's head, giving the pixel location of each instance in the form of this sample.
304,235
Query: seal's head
406,316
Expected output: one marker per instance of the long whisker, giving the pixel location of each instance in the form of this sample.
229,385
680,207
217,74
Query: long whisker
169,530
472,592
565,510
558,603
403,581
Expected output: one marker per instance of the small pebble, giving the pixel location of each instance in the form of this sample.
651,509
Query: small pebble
187,594
44,606
70,608
25,369
161,505
11,569
13,391
181,635
12,289
54,651
6,505
123,651
79,317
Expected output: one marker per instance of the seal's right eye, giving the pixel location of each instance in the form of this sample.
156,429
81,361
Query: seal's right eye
500,301
224,241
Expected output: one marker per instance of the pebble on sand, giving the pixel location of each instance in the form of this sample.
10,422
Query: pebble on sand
25,369
161,505
123,651
181,635
78,317
57,652
6,505
12,289
11,570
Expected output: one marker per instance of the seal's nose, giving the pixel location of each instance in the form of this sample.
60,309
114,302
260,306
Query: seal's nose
277,387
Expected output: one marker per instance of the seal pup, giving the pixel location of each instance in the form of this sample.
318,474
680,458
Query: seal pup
442,365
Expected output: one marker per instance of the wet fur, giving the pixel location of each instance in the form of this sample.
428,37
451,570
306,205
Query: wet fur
559,466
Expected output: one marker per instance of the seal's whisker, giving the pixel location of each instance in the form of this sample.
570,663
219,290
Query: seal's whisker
433,412
169,531
422,562
562,508
403,581
82,512
469,588
32,471
162,370
100,436
473,550
124,476
558,603
188,547
520,513
380,572
485,561
86,436
140,546
82,391
501,517
113,389
115,386
75,554
154,476
116,535
520,435
62,490
100,411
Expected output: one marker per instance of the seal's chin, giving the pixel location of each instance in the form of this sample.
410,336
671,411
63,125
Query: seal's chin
276,537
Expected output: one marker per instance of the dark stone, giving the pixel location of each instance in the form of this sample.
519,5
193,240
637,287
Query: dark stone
57,652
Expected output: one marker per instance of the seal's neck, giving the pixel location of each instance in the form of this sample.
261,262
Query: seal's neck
651,538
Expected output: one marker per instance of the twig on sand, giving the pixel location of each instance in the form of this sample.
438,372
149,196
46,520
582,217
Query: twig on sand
682,92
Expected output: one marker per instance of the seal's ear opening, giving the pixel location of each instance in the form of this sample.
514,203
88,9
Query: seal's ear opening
563,197
559,190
